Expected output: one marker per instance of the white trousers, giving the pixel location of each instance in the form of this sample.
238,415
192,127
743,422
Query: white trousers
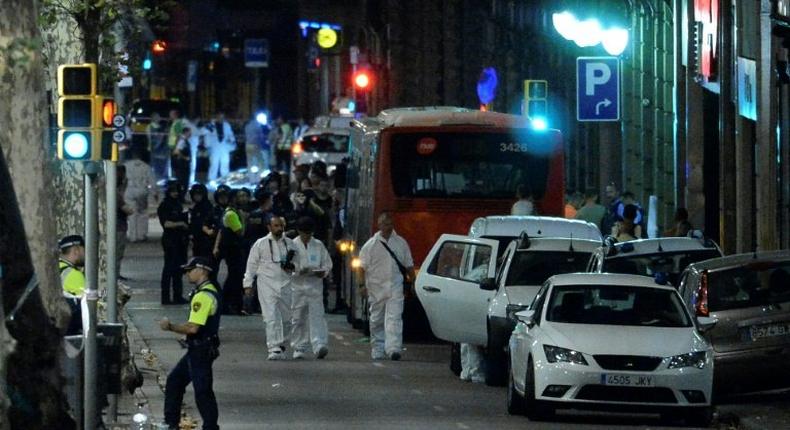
276,310
219,163
386,319
138,226
472,363
308,323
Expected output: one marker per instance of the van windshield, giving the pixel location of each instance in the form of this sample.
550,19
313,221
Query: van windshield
758,284
326,142
535,267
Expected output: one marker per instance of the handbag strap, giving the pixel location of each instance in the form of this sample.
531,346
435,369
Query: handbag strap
401,267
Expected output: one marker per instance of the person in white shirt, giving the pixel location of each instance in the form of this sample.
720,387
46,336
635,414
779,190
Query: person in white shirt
313,264
385,258
140,183
524,205
220,141
271,261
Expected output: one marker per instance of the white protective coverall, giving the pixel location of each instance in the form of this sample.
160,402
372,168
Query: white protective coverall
384,283
274,286
307,302
140,183
219,149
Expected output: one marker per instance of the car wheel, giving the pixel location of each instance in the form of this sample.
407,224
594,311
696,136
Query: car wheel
455,359
534,409
515,402
699,417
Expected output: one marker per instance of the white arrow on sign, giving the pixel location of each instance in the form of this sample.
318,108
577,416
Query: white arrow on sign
605,103
118,136
118,120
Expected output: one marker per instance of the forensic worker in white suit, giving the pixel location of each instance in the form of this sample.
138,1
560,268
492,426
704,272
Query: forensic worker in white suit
385,258
313,264
271,261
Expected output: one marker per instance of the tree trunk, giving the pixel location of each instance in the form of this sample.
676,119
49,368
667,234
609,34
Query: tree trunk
28,247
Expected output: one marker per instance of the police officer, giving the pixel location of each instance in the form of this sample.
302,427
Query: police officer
230,247
202,332
175,239
201,222
72,258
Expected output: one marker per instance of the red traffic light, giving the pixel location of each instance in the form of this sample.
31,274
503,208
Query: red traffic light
158,46
362,80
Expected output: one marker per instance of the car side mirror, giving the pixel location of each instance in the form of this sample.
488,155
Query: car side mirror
526,316
706,323
488,284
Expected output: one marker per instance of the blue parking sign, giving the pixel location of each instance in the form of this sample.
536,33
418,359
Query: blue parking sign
598,89
256,53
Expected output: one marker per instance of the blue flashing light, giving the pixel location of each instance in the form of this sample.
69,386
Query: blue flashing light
215,46
304,32
315,25
335,27
486,85
539,123
75,146
303,24
352,106
262,118
147,64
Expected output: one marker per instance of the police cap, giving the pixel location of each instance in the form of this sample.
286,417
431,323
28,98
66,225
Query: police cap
69,241
201,262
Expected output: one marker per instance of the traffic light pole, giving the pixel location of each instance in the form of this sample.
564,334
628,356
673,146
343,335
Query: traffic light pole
91,295
111,172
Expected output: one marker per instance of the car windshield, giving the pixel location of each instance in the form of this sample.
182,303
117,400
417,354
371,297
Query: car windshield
469,165
616,305
670,263
534,267
325,143
756,284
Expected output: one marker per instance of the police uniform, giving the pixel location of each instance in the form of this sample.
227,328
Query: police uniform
73,281
202,350
232,250
174,243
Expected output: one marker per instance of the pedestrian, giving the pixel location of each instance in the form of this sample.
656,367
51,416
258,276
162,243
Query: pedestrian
681,225
176,129
229,246
140,185
591,211
386,263
175,238
300,129
221,142
628,199
283,144
202,162
627,228
72,278
157,141
573,201
524,204
257,155
122,218
202,339
180,159
313,265
272,262
613,202
202,227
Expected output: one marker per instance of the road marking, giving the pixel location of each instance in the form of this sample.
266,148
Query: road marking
417,392
438,408
462,426
377,364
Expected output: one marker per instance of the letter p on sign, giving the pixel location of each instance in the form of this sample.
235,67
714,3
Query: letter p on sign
597,74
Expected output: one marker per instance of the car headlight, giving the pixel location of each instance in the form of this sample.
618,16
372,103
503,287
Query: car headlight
692,359
511,310
555,354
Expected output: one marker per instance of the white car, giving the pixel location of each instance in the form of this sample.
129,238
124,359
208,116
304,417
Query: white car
470,288
610,340
328,145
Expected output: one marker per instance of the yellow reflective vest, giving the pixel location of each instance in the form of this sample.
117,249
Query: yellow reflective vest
72,279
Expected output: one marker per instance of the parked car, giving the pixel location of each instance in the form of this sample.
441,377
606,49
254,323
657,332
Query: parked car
329,145
749,295
593,340
470,290
664,257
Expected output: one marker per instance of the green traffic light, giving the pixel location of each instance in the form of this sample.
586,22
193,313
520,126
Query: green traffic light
76,145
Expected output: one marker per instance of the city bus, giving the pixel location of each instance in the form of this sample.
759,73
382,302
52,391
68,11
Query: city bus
435,170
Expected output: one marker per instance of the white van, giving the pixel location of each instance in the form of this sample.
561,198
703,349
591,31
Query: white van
471,286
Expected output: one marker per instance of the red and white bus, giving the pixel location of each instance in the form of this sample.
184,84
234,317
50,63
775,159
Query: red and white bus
436,169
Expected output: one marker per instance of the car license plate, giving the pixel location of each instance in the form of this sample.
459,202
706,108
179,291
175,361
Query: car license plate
769,330
628,380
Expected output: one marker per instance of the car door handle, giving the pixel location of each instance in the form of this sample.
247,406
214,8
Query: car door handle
432,289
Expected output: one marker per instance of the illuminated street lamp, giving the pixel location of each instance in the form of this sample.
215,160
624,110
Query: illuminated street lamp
590,32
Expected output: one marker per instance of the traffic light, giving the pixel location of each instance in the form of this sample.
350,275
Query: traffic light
362,80
79,113
535,95
158,47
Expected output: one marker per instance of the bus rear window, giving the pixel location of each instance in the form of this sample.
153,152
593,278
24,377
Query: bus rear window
470,165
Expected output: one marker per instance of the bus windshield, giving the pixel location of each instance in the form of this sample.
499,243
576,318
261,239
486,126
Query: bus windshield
470,165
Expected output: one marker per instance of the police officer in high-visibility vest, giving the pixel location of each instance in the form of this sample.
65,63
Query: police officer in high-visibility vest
230,247
72,279
202,332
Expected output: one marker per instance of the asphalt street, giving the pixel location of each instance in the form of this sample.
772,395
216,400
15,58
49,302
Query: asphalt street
345,391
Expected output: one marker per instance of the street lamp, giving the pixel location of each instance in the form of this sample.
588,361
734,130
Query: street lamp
590,32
